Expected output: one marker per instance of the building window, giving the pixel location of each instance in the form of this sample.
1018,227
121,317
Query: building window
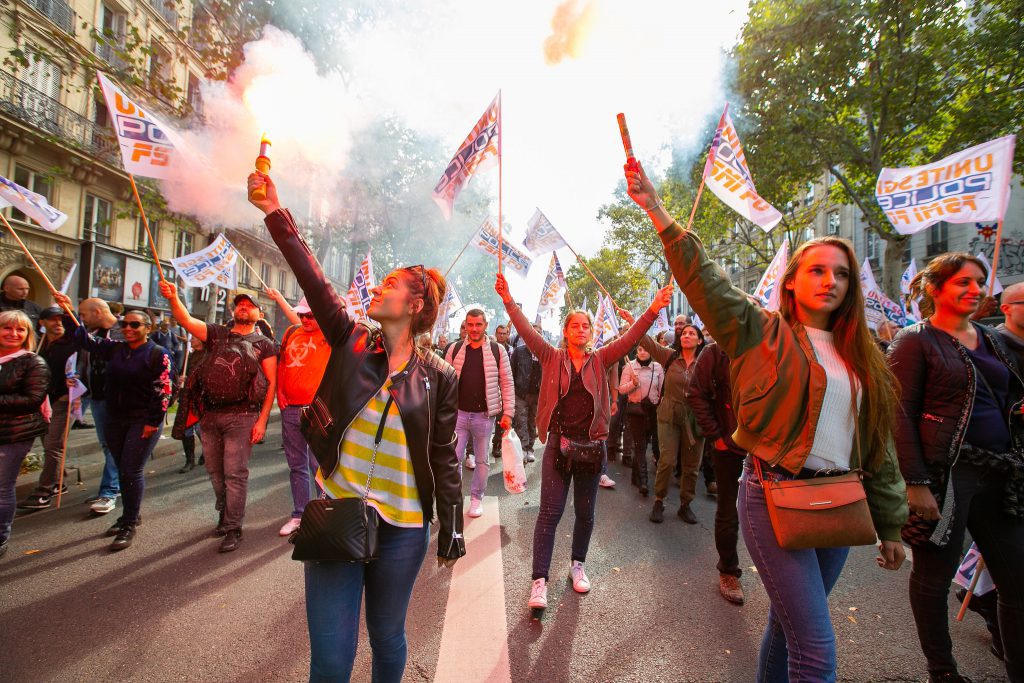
871,244
195,98
265,272
296,291
282,281
183,243
113,28
938,239
36,182
809,197
96,221
833,223
142,240
807,233
43,97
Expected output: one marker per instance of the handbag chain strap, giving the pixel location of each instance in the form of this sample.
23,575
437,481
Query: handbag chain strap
376,444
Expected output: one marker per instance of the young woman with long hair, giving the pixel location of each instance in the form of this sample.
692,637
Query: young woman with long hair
573,412
641,381
958,438
376,375
24,379
812,395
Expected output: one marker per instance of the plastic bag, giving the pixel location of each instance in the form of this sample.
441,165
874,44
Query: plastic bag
512,463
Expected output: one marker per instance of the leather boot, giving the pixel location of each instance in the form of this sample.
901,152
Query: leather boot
188,444
640,470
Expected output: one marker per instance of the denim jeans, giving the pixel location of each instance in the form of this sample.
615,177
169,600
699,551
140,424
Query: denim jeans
799,643
554,489
334,591
301,463
226,446
476,426
53,448
977,497
110,485
11,457
131,451
525,421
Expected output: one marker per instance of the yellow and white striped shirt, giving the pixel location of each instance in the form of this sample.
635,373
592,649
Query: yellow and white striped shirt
393,491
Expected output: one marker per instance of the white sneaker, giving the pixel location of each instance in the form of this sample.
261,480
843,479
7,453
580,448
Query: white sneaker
539,594
471,462
104,505
290,527
580,582
606,482
476,507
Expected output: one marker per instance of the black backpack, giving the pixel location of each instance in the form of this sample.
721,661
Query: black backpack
231,374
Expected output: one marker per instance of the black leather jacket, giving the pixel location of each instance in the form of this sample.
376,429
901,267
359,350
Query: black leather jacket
426,393
938,385
526,372
23,385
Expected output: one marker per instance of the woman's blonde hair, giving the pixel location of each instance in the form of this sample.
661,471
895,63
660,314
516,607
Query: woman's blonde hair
19,318
857,348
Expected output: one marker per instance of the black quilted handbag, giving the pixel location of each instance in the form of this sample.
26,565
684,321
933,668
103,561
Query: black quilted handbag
341,529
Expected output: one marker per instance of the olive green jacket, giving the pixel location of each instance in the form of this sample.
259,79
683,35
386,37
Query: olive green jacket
777,384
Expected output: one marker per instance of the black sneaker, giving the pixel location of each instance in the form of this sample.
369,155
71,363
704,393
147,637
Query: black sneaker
658,512
54,489
232,539
686,514
3,547
124,538
948,677
119,524
82,425
36,501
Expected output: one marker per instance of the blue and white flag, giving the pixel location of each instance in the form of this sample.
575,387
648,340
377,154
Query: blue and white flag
553,295
910,305
541,236
31,204
487,241
877,306
216,264
965,573
605,322
78,390
767,291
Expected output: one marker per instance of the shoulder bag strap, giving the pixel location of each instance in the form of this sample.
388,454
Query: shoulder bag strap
376,444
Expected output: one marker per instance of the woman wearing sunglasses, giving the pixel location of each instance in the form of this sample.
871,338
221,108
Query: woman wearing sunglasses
140,376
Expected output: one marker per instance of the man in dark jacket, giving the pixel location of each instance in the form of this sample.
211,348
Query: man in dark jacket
1012,330
56,348
14,297
709,396
526,376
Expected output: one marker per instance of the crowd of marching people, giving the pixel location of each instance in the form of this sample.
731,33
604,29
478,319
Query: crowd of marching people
920,430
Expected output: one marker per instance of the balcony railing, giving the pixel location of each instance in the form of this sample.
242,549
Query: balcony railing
57,11
165,8
34,107
108,53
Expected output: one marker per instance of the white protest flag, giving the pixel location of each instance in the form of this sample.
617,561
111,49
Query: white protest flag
605,322
877,306
913,310
697,322
78,390
67,278
993,281
660,324
451,303
486,241
967,187
965,573
31,204
148,146
541,236
552,296
478,152
217,264
767,290
358,297
727,175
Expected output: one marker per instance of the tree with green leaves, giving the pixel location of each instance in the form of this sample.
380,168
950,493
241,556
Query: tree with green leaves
853,87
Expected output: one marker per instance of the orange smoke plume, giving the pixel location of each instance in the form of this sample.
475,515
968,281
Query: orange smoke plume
569,29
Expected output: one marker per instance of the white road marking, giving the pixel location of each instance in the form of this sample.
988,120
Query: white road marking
477,599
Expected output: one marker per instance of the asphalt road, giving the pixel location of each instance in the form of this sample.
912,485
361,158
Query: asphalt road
171,608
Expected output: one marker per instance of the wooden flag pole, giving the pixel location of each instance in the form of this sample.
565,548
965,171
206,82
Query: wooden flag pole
693,211
501,229
145,224
591,273
995,258
252,270
464,246
39,269
64,452
970,591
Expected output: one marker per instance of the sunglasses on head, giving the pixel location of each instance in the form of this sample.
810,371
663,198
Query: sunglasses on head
134,324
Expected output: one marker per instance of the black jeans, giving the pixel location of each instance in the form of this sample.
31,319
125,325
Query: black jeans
728,468
130,452
616,426
977,496
707,466
637,437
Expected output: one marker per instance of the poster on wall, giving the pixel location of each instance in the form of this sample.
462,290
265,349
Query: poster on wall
156,299
136,283
107,275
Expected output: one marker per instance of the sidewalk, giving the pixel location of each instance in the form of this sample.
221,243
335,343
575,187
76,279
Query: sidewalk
85,458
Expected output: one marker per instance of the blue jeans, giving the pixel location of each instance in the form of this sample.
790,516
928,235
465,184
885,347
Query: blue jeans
110,485
301,464
479,427
131,451
334,591
554,490
799,643
11,457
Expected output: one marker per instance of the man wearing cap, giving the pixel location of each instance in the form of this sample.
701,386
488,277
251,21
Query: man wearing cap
235,387
14,297
56,348
301,365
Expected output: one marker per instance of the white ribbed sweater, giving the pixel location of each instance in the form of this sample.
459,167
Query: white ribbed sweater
833,435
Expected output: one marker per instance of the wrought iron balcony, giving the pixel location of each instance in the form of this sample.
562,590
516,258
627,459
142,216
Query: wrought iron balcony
108,53
165,8
57,11
21,101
